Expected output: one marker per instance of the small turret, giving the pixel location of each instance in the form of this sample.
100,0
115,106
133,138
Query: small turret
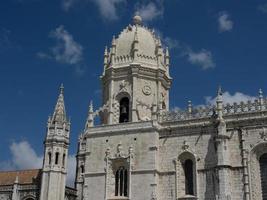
113,49
105,59
159,52
167,57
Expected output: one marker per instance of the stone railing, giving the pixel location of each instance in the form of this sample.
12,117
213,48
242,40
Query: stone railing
194,113
257,105
243,107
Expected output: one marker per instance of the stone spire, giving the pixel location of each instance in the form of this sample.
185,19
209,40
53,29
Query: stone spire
90,118
59,115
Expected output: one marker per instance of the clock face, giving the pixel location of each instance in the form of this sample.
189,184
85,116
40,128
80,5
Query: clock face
147,90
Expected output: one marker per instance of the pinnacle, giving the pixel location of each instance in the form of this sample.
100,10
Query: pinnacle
59,112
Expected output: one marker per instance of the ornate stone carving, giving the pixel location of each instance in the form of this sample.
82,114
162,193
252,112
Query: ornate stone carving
123,85
147,90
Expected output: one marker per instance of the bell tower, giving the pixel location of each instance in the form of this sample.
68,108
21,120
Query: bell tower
56,145
135,76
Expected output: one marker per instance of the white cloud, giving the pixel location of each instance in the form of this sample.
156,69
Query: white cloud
263,8
225,23
66,50
108,8
171,43
203,58
23,156
67,4
150,11
230,98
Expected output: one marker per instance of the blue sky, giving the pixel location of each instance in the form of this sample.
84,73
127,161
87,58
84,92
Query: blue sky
44,43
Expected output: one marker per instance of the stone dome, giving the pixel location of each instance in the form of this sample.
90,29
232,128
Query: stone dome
147,41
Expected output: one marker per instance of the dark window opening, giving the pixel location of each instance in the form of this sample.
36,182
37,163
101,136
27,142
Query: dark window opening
124,110
82,169
49,158
63,160
121,182
57,156
188,172
163,105
263,172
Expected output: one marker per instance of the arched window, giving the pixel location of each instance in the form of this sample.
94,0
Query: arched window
263,170
63,160
57,157
121,182
188,173
49,158
124,110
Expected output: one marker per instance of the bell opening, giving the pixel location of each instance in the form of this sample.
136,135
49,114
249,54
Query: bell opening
124,110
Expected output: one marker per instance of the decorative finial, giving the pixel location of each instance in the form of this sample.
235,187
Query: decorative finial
61,88
137,19
113,40
91,108
219,93
219,104
189,107
260,93
261,101
16,180
167,52
106,51
90,118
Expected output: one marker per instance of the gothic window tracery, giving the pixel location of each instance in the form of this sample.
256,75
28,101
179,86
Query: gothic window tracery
121,182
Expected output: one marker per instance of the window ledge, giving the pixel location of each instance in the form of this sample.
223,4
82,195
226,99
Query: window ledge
188,197
118,198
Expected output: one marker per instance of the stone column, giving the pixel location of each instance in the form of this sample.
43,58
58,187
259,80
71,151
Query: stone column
223,164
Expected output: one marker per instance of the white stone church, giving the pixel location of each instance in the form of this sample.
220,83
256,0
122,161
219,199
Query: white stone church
143,151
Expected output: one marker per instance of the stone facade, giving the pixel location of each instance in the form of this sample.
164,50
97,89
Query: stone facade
143,151
205,153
